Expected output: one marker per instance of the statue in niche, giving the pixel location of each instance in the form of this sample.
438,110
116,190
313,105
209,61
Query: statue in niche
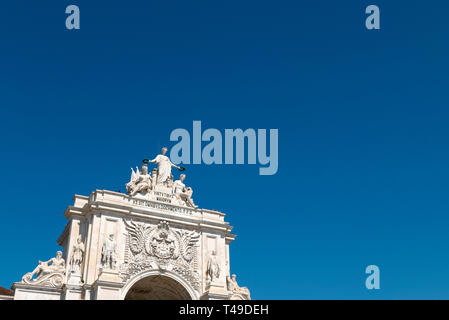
45,269
77,256
140,181
183,193
233,287
109,253
213,268
164,166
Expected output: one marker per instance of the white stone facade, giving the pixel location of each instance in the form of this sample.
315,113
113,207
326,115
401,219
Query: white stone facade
152,243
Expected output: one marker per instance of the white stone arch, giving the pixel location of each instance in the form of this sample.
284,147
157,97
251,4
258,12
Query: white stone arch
169,274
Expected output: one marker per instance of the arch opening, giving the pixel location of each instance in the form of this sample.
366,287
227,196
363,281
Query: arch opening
157,287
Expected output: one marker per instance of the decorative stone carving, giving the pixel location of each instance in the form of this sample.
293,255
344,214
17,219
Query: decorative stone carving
162,242
46,274
152,259
161,247
239,293
109,253
164,166
158,187
77,256
141,181
183,193
213,268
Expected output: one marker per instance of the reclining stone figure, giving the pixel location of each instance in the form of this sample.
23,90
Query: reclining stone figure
234,288
181,191
140,181
44,271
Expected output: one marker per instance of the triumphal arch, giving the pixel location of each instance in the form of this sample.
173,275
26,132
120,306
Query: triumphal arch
153,242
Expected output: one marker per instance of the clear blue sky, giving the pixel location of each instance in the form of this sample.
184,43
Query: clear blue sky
362,118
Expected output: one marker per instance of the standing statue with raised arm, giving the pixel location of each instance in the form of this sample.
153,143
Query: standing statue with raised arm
164,166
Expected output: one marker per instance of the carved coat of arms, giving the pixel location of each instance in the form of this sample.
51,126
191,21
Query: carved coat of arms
162,243
161,247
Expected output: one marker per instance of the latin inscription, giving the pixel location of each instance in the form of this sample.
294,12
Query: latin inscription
162,206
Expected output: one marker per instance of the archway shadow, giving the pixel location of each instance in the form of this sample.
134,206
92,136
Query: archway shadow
157,287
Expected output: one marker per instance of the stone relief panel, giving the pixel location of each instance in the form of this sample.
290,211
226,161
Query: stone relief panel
213,268
161,247
77,257
109,253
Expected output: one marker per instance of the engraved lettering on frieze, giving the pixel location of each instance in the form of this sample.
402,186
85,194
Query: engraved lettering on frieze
161,206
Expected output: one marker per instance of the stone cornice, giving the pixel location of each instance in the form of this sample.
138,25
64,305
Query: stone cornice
109,283
125,206
33,287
